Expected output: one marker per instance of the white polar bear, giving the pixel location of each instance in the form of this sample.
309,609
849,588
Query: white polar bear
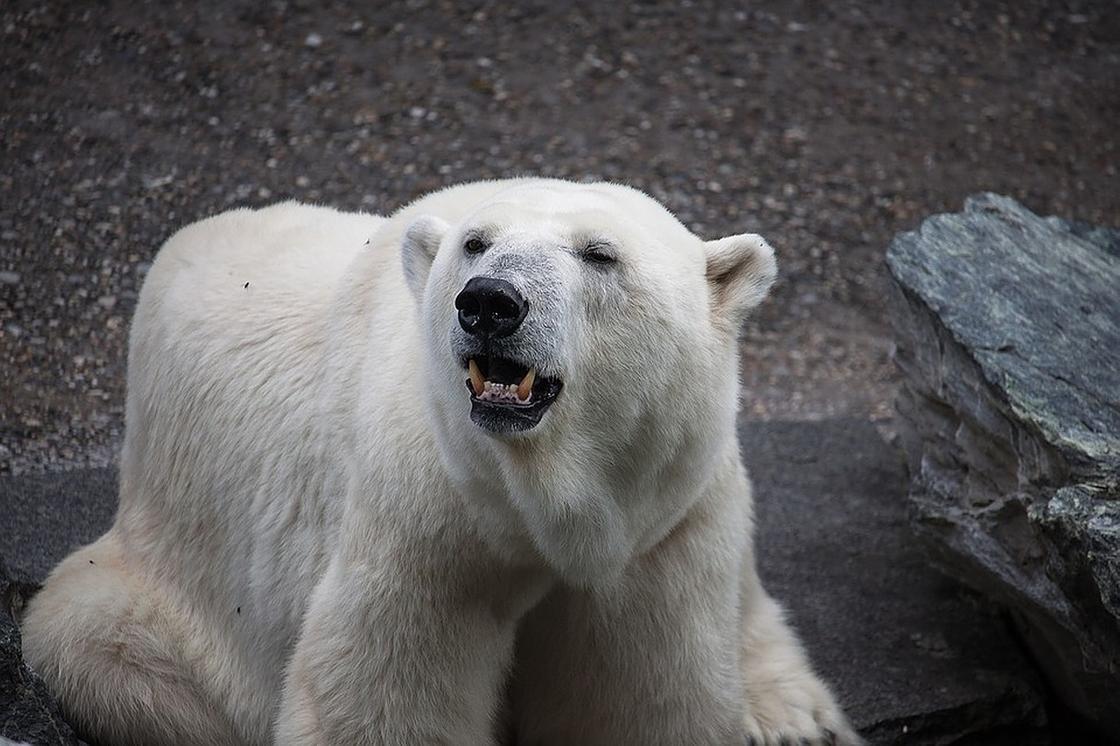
496,495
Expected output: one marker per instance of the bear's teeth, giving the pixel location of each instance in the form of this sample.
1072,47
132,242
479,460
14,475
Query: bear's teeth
491,390
478,383
526,386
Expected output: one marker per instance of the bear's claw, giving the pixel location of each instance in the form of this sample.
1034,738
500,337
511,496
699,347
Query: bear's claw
826,738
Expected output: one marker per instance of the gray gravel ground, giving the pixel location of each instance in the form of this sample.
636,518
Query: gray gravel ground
828,127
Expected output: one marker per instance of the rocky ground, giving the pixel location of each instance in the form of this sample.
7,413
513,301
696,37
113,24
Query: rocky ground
827,127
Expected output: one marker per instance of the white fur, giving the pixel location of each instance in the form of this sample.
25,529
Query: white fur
315,543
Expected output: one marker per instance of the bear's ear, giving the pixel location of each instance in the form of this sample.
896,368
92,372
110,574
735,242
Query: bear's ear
740,271
418,250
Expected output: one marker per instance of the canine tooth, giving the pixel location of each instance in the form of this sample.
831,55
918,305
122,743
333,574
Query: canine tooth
526,386
477,382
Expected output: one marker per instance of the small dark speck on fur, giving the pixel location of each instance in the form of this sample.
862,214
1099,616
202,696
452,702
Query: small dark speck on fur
246,284
238,609
91,562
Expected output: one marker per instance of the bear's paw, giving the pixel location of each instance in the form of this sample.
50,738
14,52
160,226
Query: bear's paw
801,713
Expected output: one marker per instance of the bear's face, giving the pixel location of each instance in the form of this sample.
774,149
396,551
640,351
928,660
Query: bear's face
578,337
553,292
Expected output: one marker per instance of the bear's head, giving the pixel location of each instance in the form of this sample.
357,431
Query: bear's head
582,349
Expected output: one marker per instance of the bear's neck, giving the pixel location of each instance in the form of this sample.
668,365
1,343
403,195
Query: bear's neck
588,511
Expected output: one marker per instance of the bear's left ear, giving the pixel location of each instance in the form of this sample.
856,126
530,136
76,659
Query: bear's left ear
740,271
418,251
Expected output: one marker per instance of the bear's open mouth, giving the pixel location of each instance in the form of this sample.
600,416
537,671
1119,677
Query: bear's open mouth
508,396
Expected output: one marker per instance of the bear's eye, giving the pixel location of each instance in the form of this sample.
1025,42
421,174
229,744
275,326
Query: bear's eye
599,254
475,245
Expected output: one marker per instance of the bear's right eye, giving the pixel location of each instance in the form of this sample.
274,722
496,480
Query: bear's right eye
475,246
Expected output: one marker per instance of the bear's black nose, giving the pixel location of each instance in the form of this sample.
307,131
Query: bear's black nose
489,307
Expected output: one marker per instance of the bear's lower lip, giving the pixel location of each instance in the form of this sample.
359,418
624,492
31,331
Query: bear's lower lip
500,410
503,418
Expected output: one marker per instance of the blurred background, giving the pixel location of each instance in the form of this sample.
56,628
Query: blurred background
826,126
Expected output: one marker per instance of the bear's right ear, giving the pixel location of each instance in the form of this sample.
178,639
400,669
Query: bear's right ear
418,251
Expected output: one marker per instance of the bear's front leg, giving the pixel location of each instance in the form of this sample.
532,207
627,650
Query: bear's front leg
649,658
786,701
411,648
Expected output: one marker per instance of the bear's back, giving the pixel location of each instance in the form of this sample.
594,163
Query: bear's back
229,369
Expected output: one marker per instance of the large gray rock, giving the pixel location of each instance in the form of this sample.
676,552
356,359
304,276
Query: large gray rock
914,659
1008,335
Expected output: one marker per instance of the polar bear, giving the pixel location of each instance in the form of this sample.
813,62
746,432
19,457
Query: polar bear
464,475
